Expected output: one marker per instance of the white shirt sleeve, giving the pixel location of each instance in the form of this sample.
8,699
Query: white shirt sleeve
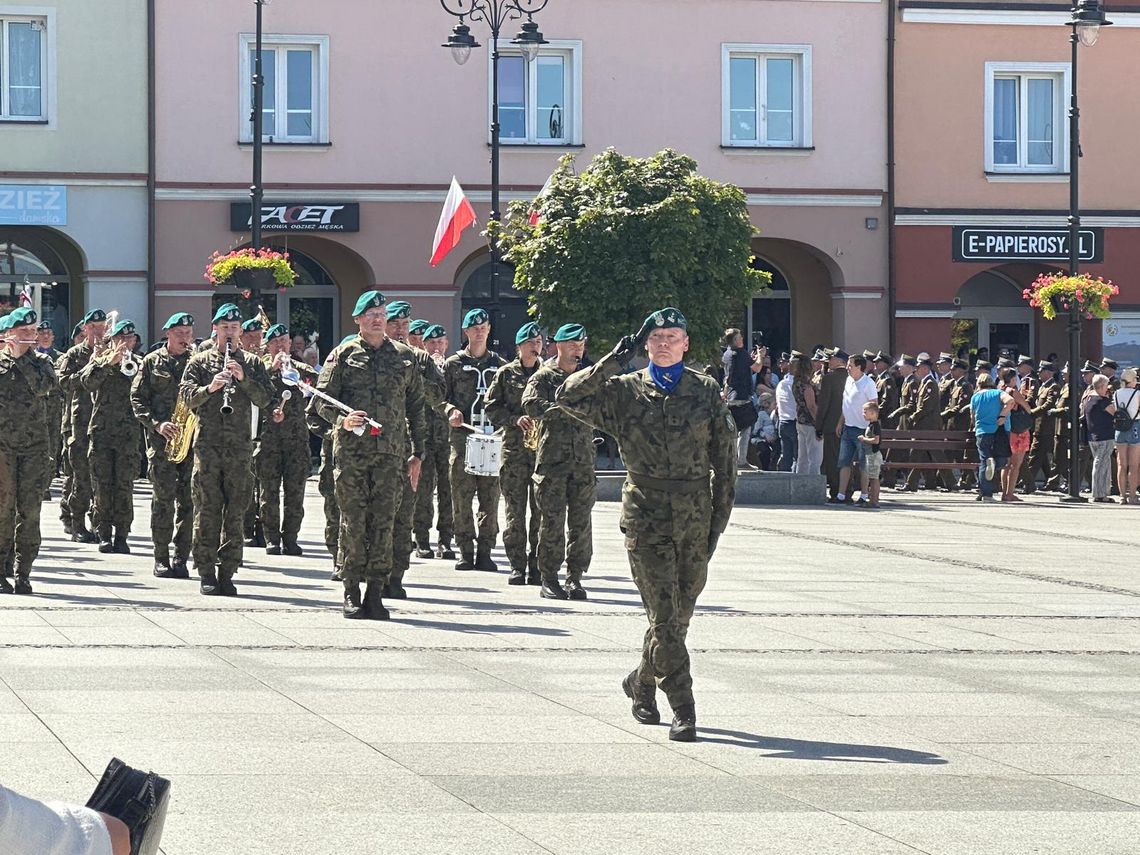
31,827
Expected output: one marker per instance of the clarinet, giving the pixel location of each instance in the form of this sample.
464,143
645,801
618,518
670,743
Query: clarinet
227,392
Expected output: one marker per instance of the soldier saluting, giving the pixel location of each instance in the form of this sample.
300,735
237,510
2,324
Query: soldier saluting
679,444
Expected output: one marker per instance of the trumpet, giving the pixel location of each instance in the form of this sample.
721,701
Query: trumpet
129,367
286,396
228,390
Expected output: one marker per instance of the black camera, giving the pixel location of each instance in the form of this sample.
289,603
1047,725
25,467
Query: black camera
757,338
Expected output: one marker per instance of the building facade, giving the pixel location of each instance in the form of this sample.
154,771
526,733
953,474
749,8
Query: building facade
982,172
362,138
74,158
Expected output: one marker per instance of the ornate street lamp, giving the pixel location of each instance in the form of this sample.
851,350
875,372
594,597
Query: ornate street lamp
496,14
1086,20
256,190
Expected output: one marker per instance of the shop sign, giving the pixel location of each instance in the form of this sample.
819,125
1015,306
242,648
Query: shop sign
1024,244
33,205
296,217
1122,338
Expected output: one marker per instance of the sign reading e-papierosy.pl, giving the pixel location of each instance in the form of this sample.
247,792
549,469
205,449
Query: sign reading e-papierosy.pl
33,205
982,243
298,217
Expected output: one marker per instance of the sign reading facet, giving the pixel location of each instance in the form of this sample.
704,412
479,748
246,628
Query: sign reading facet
298,217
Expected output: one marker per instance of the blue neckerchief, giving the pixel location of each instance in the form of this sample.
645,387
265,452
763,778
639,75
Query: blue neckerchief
667,378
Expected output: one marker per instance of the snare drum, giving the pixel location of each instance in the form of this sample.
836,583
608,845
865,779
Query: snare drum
484,454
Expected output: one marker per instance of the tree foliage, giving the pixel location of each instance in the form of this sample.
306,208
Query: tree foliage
630,235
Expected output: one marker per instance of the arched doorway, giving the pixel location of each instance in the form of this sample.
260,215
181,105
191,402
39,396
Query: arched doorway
506,306
992,314
38,269
769,320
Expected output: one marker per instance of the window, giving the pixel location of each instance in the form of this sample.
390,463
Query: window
1025,126
23,68
294,108
766,96
540,101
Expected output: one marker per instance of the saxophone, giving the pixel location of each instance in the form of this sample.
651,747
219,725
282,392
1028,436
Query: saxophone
530,436
186,421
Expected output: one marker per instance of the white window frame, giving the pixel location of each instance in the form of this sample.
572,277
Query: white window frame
277,41
801,95
572,112
1060,73
46,17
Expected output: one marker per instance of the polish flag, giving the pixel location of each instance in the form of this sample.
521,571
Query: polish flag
534,215
456,216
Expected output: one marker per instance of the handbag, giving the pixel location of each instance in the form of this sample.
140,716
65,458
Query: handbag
744,415
1001,449
139,799
1121,420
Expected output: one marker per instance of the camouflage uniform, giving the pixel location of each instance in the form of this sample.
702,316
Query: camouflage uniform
154,395
283,459
435,485
505,408
25,385
671,507
326,485
77,489
460,396
222,484
113,450
564,478
384,382
54,407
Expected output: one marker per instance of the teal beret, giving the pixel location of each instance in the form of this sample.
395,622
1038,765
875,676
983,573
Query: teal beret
527,332
667,319
475,317
252,325
22,317
434,331
570,332
418,326
227,312
399,310
94,316
123,327
44,326
275,331
368,300
179,319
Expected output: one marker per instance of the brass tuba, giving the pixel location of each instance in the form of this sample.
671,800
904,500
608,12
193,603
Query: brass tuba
186,421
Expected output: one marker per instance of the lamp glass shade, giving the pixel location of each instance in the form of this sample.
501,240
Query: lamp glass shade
1088,32
529,50
460,53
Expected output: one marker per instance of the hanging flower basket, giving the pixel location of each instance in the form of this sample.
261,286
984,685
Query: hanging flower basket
1056,293
249,269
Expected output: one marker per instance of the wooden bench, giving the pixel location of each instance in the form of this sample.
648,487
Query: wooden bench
951,443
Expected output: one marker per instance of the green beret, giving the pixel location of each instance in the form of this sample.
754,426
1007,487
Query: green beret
44,326
227,312
475,317
22,317
179,319
434,331
398,310
418,327
570,332
123,327
252,325
94,316
527,332
275,331
368,300
77,329
667,319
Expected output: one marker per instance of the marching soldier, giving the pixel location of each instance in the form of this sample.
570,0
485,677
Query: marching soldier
378,380
26,382
435,477
679,444
45,347
282,460
505,409
251,333
564,472
398,315
154,398
221,386
113,455
416,330
77,493
467,375
77,337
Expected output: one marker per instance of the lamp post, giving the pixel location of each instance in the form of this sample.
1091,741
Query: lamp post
256,191
1086,19
495,13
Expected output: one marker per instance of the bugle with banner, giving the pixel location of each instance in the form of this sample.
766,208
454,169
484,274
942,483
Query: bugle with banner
290,376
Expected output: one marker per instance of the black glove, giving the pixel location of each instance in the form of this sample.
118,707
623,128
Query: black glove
714,538
625,350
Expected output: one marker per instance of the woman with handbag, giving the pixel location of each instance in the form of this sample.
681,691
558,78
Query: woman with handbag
1126,421
1018,427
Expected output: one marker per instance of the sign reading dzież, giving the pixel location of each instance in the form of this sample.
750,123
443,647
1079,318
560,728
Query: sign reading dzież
1024,244
33,205
295,217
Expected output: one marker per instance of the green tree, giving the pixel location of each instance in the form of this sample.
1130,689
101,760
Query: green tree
630,235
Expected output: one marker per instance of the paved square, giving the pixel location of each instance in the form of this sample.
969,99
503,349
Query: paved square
939,676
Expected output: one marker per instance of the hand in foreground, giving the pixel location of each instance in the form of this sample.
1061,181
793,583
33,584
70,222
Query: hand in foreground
354,420
455,419
167,430
414,464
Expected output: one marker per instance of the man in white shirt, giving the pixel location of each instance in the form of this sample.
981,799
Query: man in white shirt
857,391
786,423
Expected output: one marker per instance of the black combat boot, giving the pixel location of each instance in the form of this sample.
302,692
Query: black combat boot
162,567
467,562
644,699
5,586
178,569
226,585
119,546
353,607
484,562
574,589
106,542
423,548
272,547
291,547
23,586
517,577
373,603
684,727
335,577
6,567
395,590
80,534
446,553
209,586
551,590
